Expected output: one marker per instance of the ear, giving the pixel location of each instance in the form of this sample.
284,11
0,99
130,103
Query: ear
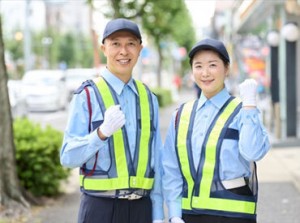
141,47
103,48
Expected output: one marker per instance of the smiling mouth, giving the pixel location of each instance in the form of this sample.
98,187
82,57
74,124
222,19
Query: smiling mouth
207,81
124,62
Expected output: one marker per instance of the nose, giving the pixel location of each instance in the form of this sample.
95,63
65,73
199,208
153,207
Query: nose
205,72
123,50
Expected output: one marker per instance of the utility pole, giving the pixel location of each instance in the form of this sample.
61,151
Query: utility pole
27,38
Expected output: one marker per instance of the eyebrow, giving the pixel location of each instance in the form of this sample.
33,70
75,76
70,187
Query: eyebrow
130,38
211,61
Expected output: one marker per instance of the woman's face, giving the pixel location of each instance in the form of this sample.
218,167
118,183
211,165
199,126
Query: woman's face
209,72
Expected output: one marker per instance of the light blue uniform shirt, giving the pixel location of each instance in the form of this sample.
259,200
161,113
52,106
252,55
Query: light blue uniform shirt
235,155
79,146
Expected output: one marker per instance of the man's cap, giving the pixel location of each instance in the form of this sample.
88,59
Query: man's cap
121,25
211,44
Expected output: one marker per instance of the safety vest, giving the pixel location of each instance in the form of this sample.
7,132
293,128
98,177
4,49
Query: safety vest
203,192
124,172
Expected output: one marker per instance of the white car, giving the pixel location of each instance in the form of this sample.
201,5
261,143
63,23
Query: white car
76,76
17,99
45,90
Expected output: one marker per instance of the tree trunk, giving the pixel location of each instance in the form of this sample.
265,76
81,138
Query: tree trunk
159,66
11,197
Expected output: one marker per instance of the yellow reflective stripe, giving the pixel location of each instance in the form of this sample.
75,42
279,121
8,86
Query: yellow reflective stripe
224,205
141,182
120,156
143,158
115,183
186,203
211,149
204,201
103,184
182,150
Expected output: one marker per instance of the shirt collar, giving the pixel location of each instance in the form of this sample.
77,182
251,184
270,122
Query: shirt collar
218,100
116,83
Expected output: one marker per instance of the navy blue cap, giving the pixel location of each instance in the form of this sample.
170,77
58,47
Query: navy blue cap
121,25
211,44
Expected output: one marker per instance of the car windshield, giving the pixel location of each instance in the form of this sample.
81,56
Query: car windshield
47,78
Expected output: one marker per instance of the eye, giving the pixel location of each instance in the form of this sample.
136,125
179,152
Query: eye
198,66
115,44
132,44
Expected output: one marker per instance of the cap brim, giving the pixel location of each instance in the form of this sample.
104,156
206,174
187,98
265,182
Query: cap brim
202,47
123,29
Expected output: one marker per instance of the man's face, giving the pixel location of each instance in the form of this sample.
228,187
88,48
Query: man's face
122,50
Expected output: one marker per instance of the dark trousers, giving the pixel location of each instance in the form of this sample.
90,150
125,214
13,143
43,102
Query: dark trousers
189,218
113,210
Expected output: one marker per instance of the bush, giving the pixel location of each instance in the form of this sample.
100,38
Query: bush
164,96
37,156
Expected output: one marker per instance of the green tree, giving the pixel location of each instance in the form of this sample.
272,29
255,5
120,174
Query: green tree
66,49
167,22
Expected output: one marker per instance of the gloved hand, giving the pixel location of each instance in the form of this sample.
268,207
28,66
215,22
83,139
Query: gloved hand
114,119
158,221
248,91
176,220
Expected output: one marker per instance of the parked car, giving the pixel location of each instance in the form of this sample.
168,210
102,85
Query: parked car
17,99
76,76
45,90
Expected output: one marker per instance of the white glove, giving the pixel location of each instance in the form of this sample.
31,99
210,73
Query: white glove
176,220
114,119
158,221
248,91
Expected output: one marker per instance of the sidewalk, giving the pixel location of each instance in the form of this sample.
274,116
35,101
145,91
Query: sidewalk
278,174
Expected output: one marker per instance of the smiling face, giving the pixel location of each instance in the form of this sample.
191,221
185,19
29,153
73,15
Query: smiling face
209,71
122,50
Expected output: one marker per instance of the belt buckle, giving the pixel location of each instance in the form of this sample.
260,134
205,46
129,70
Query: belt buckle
133,197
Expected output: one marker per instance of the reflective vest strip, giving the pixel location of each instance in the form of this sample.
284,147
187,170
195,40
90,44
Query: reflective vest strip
104,184
183,154
220,204
143,159
121,167
204,201
141,182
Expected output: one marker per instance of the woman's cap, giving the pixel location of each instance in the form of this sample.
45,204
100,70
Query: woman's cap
212,44
121,25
